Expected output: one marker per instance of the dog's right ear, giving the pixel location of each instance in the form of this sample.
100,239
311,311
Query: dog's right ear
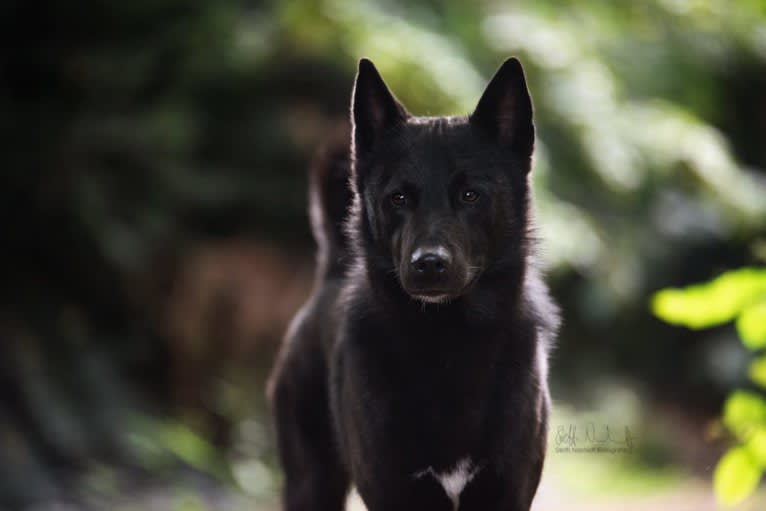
374,110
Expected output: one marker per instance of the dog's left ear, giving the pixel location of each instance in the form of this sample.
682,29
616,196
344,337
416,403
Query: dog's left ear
504,111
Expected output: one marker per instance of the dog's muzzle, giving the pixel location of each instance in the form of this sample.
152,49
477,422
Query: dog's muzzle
430,274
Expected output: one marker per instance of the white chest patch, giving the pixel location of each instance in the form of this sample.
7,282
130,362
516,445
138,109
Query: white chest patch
454,481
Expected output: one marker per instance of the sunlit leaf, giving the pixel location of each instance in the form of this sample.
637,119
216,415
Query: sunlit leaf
712,303
744,412
756,446
751,326
757,371
736,476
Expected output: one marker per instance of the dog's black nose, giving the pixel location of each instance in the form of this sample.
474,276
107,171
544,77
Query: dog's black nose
430,264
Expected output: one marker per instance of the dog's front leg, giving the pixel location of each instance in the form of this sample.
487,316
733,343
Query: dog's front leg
493,490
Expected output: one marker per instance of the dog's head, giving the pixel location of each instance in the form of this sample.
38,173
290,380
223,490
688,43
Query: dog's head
439,201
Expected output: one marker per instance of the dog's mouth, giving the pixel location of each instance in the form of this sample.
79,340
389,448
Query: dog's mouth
432,295
435,299
444,294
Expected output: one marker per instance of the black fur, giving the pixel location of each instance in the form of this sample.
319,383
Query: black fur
425,341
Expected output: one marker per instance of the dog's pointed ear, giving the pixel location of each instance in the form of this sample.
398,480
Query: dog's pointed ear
504,111
373,108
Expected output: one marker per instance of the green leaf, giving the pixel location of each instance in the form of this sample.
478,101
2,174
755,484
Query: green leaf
159,443
757,371
736,476
751,326
188,445
756,446
744,412
712,303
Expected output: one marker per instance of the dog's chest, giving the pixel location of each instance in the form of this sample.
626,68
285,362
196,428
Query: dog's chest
437,391
454,480
440,413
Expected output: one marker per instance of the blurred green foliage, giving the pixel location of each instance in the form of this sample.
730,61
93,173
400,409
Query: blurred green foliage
735,295
148,145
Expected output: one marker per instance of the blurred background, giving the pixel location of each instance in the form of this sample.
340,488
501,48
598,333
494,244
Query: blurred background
153,202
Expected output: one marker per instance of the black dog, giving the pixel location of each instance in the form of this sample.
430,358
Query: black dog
417,370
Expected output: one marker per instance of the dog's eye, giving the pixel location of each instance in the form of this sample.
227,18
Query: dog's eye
469,196
398,199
